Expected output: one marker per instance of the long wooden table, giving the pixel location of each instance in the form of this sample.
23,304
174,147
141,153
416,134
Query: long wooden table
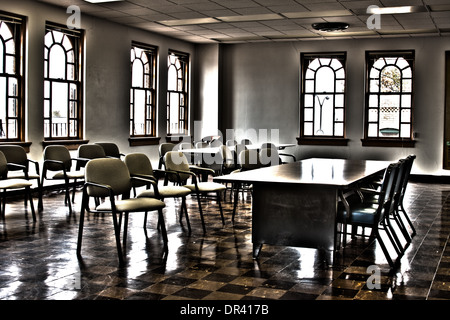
295,204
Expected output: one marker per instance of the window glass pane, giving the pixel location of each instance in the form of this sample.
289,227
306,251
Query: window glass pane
390,79
373,115
405,130
325,80
57,62
402,63
406,115
309,86
406,101
373,101
407,85
309,100
139,112
314,65
374,86
339,114
309,129
339,129
372,130
308,114
138,74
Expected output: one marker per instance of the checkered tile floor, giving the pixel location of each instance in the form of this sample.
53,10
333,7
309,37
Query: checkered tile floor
39,260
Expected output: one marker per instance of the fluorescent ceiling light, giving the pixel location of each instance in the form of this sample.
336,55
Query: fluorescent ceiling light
317,14
254,17
185,22
394,10
101,1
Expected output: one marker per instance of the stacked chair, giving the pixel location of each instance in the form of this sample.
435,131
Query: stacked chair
379,209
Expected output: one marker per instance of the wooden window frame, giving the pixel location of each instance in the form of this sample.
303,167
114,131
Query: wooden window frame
307,139
183,110
378,141
19,25
149,138
78,64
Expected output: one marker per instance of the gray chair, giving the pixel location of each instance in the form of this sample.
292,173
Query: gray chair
178,171
109,178
111,149
163,149
269,145
13,184
249,159
372,215
57,159
17,160
139,165
88,152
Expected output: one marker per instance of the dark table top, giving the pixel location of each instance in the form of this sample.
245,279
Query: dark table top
317,171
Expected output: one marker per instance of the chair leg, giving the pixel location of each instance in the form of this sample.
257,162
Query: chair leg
84,202
117,236
28,194
201,212
383,247
405,214
220,207
163,226
184,208
236,196
125,231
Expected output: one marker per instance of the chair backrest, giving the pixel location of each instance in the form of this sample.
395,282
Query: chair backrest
386,196
246,142
185,145
227,155
111,149
176,161
201,144
268,145
15,154
91,151
269,157
408,166
249,159
107,171
231,143
3,166
163,149
138,164
59,153
215,143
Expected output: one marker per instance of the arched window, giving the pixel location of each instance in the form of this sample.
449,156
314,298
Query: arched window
11,79
389,93
323,96
62,83
143,91
177,93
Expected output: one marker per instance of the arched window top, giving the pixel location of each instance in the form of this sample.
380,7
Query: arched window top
59,52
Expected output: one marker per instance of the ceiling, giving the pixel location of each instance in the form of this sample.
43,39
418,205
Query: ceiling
235,21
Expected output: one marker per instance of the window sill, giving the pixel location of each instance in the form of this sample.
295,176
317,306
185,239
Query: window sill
178,138
70,144
25,145
396,143
322,141
143,141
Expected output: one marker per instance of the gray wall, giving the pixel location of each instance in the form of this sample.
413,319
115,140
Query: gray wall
261,91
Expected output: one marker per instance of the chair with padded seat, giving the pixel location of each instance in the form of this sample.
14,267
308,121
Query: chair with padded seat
57,159
140,165
400,209
109,178
13,184
249,159
372,215
111,149
18,160
163,149
178,171
88,152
